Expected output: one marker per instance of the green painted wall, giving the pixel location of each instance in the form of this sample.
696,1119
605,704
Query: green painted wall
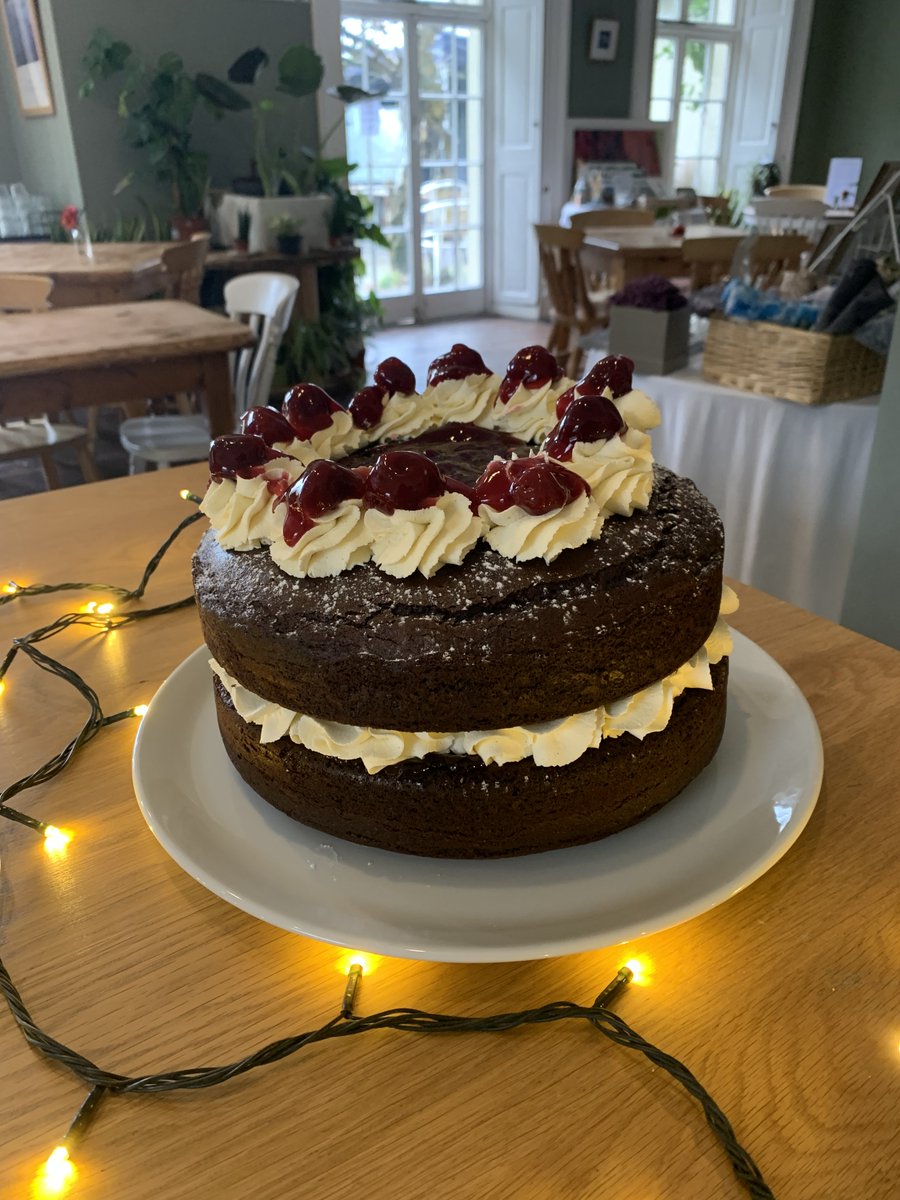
78,156
850,104
9,155
600,89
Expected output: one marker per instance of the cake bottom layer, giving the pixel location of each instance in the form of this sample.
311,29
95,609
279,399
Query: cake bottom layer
454,806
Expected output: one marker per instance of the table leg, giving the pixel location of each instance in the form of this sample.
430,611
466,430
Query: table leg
307,306
219,396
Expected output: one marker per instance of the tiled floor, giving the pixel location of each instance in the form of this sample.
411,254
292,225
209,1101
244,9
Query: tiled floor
495,338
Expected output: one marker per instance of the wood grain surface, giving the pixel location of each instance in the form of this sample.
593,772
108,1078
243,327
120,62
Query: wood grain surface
784,1000
653,240
111,334
110,261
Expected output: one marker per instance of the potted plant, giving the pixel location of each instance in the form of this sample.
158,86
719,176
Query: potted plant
242,241
649,321
157,103
287,234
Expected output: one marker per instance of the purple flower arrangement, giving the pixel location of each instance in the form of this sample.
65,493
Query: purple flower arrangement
653,292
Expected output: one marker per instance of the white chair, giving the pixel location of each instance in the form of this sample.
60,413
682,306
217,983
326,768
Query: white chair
786,214
264,301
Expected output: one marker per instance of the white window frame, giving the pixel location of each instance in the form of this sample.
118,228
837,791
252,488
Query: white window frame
683,31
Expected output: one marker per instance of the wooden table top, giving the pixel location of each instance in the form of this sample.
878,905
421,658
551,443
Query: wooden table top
654,240
102,334
783,1000
111,261
239,261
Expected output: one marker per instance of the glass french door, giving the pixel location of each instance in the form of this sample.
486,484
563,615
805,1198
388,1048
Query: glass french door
419,150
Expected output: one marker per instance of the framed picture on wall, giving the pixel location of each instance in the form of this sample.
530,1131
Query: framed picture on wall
604,40
26,52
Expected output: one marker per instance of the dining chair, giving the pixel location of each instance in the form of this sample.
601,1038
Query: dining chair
574,310
797,191
183,264
39,437
600,218
263,300
788,214
708,259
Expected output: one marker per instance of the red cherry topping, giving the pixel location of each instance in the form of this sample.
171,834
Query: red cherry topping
614,372
239,454
308,409
463,489
564,401
267,424
587,419
403,479
531,368
366,407
318,491
458,363
534,484
394,377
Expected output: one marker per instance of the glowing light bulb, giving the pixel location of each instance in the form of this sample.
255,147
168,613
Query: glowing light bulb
2,686
90,606
185,494
11,588
140,710
56,1174
354,958
103,609
56,840
641,970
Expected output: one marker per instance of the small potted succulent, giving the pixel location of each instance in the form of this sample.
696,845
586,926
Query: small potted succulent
287,234
649,322
242,241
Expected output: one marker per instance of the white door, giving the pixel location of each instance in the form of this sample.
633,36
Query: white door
518,62
420,154
759,87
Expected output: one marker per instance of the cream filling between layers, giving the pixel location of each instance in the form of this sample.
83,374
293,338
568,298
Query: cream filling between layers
549,743
530,413
469,400
339,439
240,510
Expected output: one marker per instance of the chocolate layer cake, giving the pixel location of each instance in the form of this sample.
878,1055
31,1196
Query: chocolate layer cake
525,692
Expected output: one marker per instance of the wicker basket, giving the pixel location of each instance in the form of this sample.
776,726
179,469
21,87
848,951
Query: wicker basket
794,364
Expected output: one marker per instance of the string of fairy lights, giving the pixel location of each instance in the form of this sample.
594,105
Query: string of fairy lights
57,1175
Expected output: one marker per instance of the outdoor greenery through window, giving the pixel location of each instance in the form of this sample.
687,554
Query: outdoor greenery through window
693,54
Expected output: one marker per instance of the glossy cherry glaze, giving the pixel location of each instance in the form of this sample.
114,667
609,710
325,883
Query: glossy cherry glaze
458,363
615,372
367,406
403,479
459,432
239,455
307,409
319,490
267,424
587,419
534,484
531,367
395,377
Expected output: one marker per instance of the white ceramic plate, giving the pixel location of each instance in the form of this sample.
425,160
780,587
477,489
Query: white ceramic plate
725,830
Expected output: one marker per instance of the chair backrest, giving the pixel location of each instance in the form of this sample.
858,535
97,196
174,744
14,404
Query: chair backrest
772,253
559,250
263,300
708,257
789,214
183,264
25,293
719,204
798,191
599,218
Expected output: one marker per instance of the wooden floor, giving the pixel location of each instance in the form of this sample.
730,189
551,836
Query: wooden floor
495,338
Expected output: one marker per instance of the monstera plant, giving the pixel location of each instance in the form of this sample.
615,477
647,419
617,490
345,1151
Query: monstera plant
157,103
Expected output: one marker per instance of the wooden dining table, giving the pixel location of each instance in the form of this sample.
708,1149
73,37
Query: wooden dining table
115,273
630,252
783,1000
109,354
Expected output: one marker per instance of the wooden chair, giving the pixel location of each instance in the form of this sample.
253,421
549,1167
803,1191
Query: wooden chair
183,263
599,218
39,437
773,253
708,259
798,191
574,311
715,204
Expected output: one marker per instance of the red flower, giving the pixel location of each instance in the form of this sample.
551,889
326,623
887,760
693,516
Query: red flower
68,218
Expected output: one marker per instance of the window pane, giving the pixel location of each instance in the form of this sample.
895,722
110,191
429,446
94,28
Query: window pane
660,110
387,269
469,259
668,10
662,84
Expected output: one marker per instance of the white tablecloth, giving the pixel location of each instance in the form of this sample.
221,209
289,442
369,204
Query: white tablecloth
787,480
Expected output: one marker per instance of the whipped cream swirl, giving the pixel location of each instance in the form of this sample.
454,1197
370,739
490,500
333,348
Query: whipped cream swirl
240,510
470,399
530,413
336,542
403,416
337,440
516,533
423,539
618,471
548,743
